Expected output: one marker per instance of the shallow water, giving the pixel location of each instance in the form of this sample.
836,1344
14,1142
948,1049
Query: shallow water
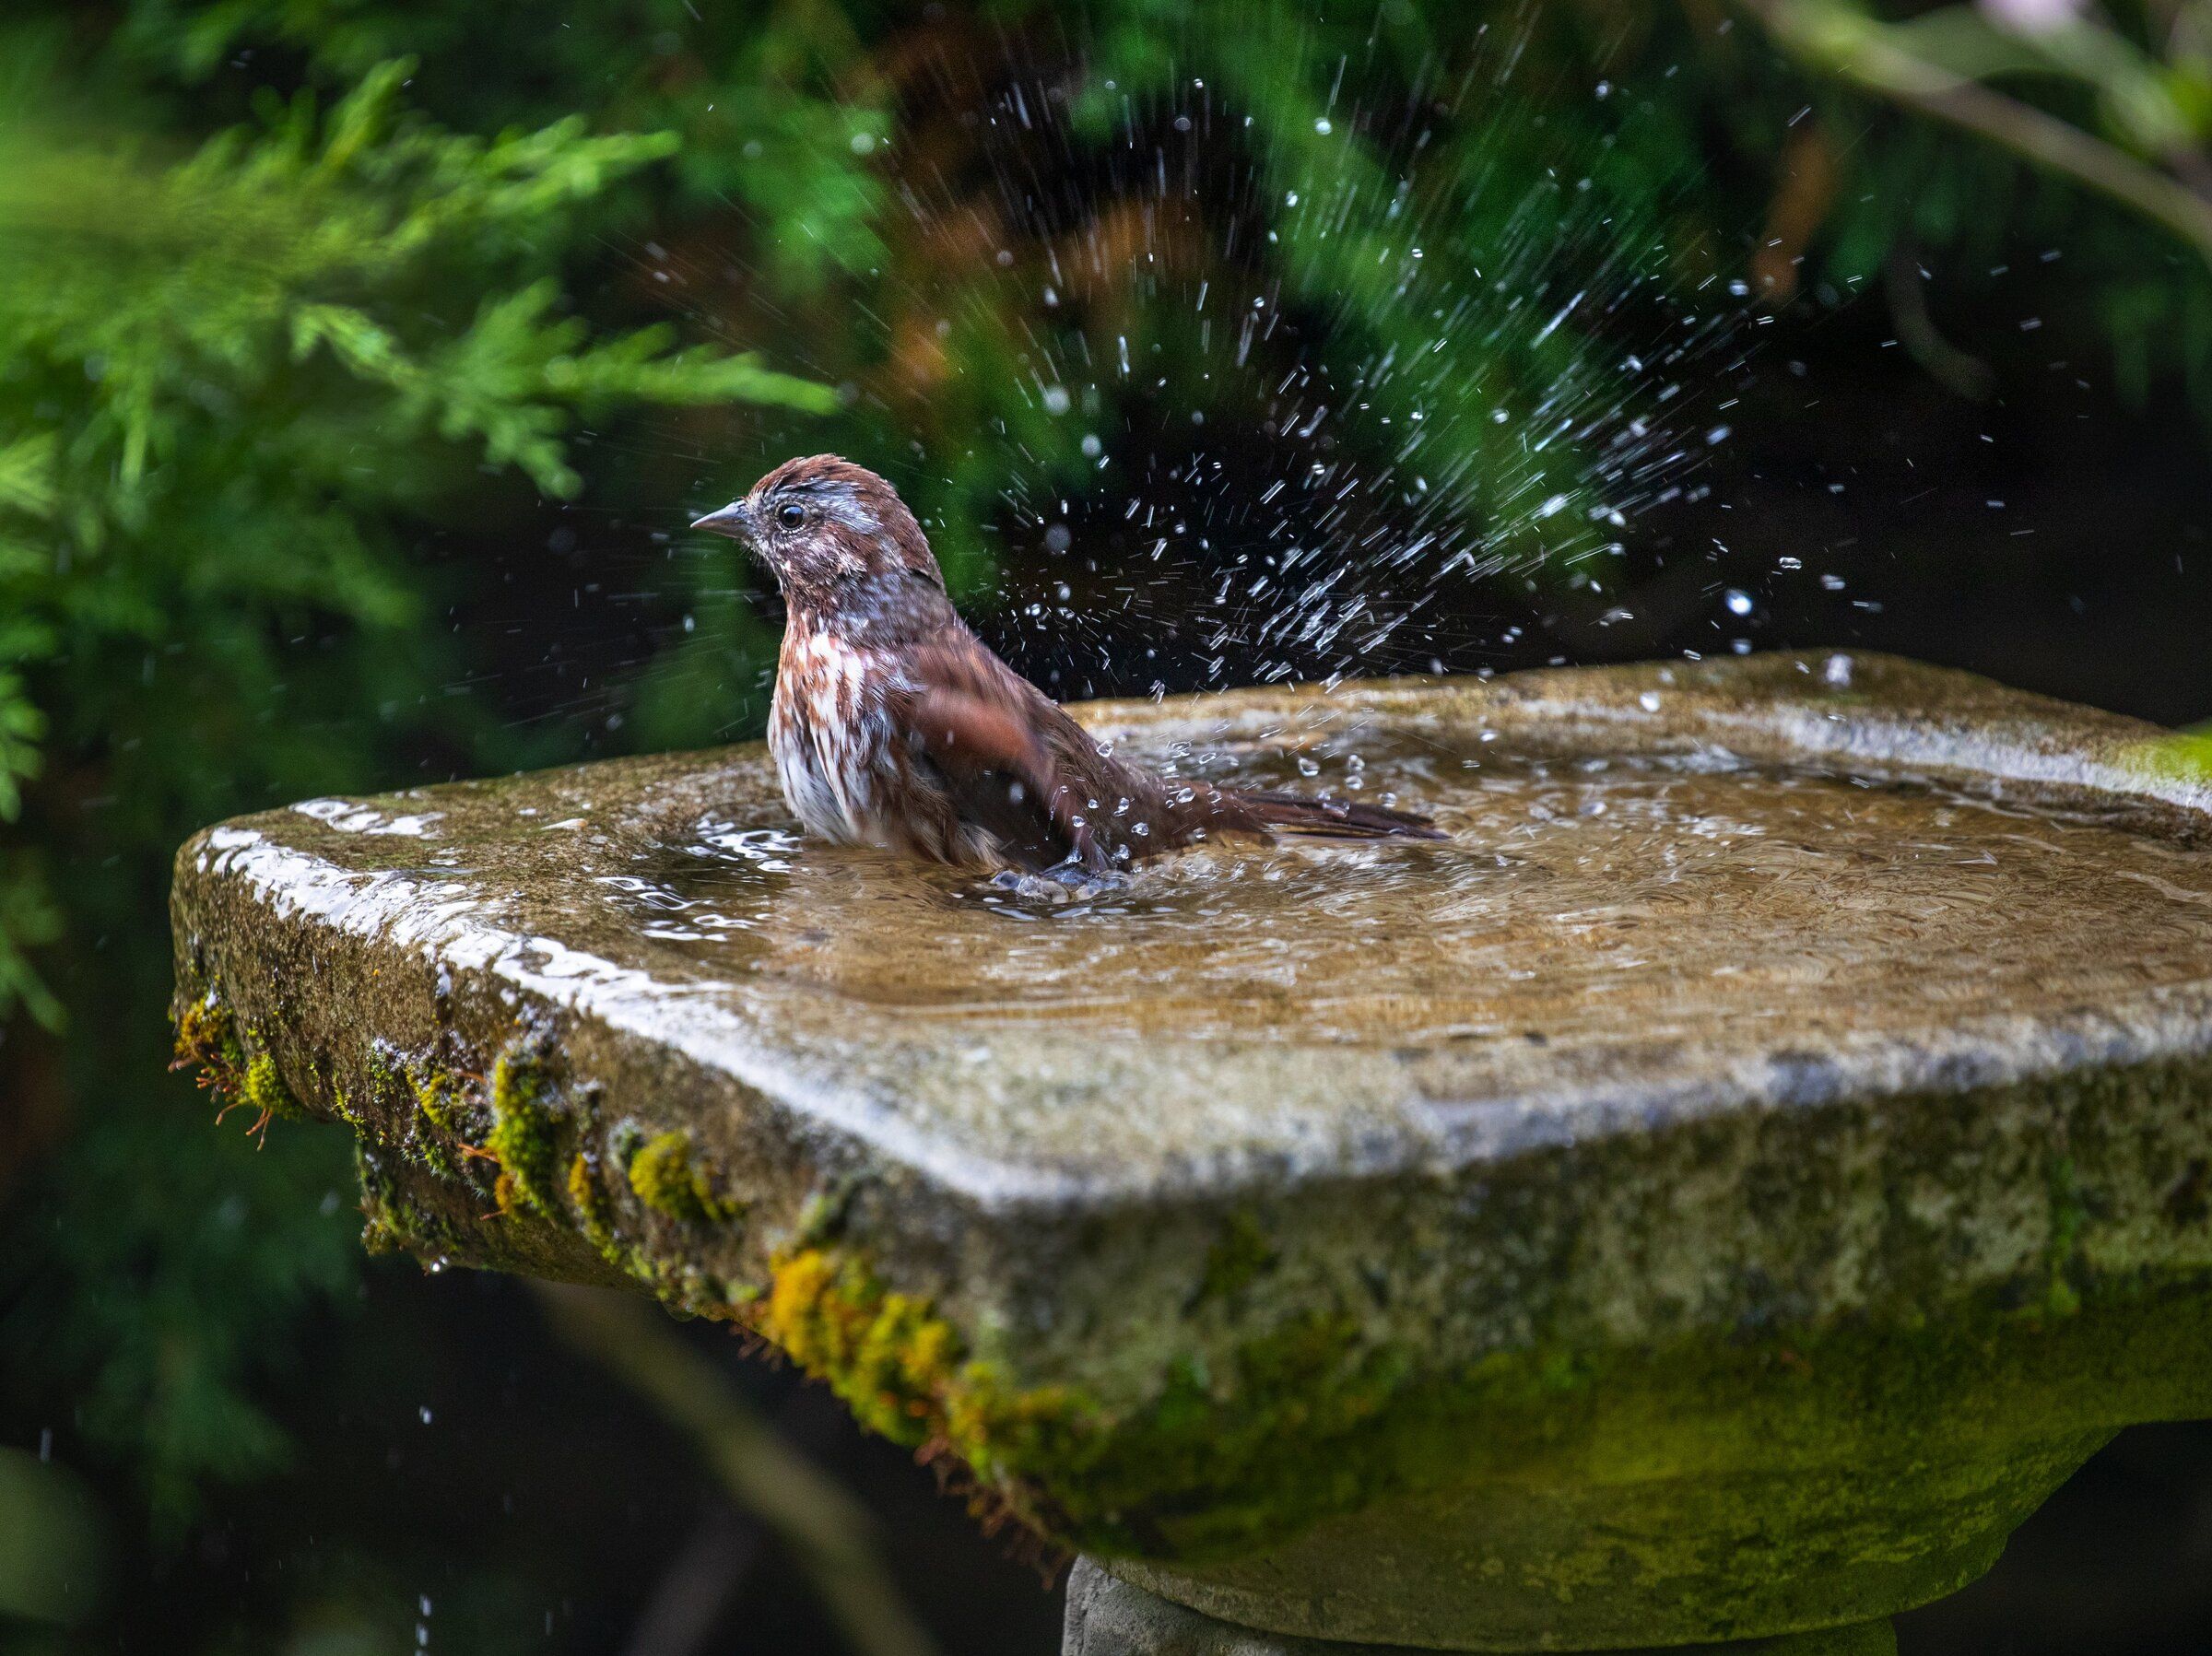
1580,898
1628,922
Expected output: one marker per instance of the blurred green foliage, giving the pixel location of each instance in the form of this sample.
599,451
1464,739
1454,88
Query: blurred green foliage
304,303
2061,102
241,374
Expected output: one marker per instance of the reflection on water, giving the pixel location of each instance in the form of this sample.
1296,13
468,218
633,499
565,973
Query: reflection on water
1576,897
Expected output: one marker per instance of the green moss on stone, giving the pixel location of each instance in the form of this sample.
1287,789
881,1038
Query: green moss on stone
525,1131
393,1224
2069,1211
893,1362
206,1039
439,1099
263,1090
670,1178
209,1037
1236,1257
2185,755
1314,1419
438,1102
595,1216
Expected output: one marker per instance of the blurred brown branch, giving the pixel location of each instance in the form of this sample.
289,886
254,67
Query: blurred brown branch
1964,374
1934,66
1801,205
828,1534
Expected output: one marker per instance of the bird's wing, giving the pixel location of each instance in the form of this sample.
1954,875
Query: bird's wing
984,734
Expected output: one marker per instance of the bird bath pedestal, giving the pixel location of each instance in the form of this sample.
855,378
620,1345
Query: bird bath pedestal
1715,1197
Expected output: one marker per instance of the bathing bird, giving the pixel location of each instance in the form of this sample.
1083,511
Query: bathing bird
893,725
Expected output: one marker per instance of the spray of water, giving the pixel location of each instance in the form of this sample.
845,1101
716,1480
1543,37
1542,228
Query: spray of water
1284,352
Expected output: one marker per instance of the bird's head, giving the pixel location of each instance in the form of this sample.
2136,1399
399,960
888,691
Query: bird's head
823,525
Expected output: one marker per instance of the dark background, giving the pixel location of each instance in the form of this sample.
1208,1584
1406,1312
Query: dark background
1966,408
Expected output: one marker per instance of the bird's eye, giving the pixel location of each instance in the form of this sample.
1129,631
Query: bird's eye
790,517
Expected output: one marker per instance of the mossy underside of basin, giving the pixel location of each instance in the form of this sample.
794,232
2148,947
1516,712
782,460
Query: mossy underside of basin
1688,1375
1676,1488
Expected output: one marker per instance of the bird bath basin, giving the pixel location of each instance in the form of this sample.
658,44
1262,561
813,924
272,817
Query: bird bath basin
1714,1197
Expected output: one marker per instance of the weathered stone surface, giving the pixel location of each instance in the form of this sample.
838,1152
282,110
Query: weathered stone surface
1108,1618
1718,1194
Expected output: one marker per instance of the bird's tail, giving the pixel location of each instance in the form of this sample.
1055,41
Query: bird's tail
1335,818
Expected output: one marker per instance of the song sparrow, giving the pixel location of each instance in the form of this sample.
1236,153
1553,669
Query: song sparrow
894,726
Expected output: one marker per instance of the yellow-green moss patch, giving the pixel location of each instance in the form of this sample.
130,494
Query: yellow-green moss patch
672,1179
1314,1416
595,1216
262,1089
208,1037
2185,755
884,1353
208,1040
439,1099
525,1131
590,1202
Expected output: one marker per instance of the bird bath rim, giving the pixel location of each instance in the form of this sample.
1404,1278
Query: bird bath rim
1590,1303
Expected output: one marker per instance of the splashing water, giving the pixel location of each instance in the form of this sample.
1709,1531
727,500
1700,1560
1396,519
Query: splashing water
1283,355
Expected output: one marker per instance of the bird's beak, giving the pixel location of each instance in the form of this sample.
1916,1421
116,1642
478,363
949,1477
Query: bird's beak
736,519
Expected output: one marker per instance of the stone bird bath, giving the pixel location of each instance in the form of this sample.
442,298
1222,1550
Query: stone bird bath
1714,1198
